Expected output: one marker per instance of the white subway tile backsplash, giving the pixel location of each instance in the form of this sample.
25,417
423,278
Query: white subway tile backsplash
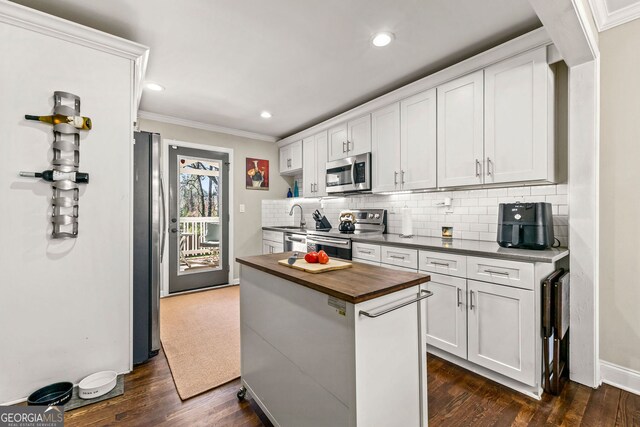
474,216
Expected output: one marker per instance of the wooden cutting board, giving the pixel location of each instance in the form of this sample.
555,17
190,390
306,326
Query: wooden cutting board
303,265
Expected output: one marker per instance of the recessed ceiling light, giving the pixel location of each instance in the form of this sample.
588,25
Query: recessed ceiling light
382,39
154,86
265,115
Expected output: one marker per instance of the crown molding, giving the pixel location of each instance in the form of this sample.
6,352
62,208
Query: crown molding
607,19
43,23
147,115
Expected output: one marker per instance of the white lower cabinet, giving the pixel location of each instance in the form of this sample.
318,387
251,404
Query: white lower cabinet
272,242
447,314
501,330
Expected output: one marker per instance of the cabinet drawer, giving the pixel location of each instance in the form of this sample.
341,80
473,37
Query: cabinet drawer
511,273
400,257
269,247
399,268
366,251
443,263
273,236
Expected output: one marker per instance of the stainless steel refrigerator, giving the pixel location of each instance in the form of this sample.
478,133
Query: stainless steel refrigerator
148,245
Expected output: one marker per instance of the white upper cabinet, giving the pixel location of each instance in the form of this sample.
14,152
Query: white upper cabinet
291,158
359,135
460,131
519,119
385,148
418,141
350,138
337,142
314,165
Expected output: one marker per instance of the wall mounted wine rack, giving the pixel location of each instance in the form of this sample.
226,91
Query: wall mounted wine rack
64,174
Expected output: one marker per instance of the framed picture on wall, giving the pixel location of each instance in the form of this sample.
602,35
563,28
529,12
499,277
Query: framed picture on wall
257,175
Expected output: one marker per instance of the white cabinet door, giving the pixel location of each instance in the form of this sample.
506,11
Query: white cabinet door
337,142
321,165
518,144
501,330
266,247
418,141
460,131
447,314
385,148
309,172
285,153
296,156
359,136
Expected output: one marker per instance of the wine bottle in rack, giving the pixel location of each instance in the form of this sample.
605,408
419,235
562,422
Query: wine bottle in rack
51,176
75,121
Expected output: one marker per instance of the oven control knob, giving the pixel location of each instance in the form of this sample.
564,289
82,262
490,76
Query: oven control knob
370,216
377,216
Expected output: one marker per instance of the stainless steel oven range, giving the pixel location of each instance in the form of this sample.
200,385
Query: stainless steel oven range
337,244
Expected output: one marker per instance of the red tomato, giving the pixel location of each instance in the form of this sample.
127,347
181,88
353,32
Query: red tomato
323,258
311,257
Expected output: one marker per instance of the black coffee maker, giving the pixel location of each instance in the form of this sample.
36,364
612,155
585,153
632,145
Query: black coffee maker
525,225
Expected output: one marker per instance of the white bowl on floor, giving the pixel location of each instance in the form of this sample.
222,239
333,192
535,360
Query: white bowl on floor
98,384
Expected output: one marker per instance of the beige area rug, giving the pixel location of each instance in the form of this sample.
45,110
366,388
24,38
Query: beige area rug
200,334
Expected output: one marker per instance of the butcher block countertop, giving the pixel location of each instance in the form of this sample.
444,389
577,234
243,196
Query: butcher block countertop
360,283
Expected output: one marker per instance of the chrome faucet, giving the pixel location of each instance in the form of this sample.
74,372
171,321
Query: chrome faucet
302,222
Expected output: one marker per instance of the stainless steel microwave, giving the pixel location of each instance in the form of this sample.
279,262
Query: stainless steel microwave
349,175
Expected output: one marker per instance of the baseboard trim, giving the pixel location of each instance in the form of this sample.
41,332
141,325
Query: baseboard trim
619,376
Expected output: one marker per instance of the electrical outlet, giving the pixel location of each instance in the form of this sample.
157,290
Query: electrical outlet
242,208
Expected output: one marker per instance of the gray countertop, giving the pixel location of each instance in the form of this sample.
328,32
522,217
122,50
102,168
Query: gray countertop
466,247
458,246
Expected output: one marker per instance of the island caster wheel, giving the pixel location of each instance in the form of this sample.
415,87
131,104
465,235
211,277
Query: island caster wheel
241,393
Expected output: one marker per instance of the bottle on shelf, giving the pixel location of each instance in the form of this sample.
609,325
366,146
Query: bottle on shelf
289,194
55,119
296,191
51,176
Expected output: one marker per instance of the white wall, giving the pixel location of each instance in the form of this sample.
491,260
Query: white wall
64,304
620,196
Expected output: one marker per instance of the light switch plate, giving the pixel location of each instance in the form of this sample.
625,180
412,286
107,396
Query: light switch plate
241,208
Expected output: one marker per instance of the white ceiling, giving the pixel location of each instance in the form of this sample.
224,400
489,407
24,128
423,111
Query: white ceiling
224,61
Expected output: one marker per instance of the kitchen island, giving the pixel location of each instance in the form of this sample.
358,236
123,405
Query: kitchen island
340,348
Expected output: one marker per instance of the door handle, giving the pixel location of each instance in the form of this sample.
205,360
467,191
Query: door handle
427,294
395,178
489,166
344,146
402,177
459,296
174,230
477,168
471,306
164,220
349,146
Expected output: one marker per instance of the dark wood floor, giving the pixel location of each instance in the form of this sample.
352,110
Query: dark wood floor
456,398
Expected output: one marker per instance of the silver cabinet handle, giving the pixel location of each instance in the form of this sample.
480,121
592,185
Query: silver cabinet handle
365,251
489,166
471,306
441,264
477,168
427,294
164,220
396,257
402,177
500,273
344,146
349,146
395,178
459,296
